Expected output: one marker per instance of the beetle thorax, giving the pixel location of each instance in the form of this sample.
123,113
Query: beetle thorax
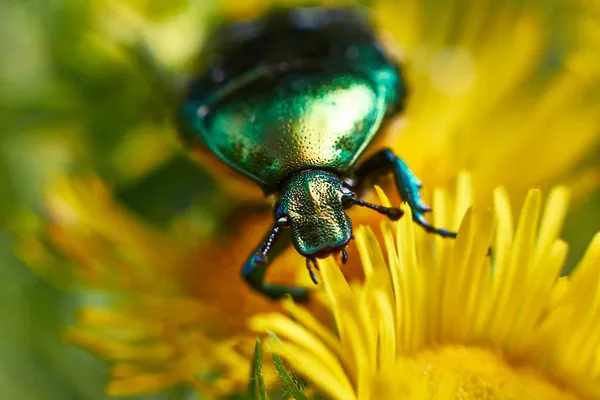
312,200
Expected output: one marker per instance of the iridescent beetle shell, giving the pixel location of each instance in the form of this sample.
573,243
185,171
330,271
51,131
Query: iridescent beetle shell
303,89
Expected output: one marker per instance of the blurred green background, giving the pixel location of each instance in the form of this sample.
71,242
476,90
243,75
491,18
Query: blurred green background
80,91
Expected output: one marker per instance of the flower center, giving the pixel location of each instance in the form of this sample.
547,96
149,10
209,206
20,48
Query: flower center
466,373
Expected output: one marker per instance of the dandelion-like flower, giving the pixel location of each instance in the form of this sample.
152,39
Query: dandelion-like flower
139,315
441,320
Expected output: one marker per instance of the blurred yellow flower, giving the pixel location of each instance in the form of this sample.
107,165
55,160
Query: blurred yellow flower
478,100
139,312
439,320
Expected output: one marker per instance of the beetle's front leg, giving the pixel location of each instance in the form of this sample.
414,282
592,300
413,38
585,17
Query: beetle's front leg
256,266
407,183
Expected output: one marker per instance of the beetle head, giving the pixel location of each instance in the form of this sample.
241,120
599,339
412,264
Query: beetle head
311,204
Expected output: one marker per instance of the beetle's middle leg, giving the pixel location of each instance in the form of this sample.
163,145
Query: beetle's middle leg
256,266
407,183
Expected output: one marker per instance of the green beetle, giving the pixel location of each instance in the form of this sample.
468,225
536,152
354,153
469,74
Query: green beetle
291,101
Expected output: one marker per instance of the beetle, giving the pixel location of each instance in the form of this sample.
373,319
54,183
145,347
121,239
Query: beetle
291,100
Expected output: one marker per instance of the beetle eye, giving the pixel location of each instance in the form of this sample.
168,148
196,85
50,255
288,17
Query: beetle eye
347,189
280,216
347,201
283,221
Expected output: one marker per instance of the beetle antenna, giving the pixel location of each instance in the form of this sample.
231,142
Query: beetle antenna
261,257
392,213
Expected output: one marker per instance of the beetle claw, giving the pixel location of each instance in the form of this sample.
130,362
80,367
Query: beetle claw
344,256
423,208
310,271
394,213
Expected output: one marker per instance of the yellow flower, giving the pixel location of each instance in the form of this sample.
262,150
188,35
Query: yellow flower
441,320
137,311
477,101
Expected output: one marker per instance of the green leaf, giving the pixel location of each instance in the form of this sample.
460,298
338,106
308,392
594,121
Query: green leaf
292,386
257,383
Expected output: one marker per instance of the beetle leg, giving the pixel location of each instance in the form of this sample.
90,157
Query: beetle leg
256,266
407,183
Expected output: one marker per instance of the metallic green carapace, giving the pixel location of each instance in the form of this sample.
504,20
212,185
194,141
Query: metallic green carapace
312,120
291,101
